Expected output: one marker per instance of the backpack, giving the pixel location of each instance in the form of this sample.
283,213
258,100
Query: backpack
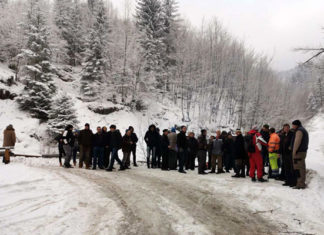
251,145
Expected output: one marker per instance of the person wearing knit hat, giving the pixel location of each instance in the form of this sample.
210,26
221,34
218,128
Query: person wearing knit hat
299,148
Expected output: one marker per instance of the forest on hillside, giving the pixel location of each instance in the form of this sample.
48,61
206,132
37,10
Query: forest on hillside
212,76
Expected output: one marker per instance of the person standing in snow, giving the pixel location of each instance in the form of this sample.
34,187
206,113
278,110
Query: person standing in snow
158,152
107,150
127,148
210,152
165,150
182,144
217,154
85,143
192,151
98,149
152,140
173,149
115,143
202,152
273,149
134,140
240,154
254,150
76,147
9,138
59,140
265,154
286,153
299,146
228,148
68,144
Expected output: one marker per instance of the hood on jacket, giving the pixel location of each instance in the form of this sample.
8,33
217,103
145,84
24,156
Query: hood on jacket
10,128
252,132
151,127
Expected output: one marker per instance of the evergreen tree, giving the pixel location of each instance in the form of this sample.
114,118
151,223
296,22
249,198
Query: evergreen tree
170,8
62,114
151,25
95,67
68,19
39,86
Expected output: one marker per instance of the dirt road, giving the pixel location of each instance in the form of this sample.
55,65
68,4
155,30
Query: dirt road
155,202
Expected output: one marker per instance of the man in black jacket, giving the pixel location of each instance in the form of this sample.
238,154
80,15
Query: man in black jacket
165,144
202,152
240,154
85,143
152,140
182,144
286,153
265,133
115,143
134,142
107,151
98,149
192,151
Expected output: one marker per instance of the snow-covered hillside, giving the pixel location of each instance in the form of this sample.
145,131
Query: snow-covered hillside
33,139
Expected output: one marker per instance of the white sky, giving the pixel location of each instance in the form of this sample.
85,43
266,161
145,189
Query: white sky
270,27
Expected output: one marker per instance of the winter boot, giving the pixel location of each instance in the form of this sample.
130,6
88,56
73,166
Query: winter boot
261,180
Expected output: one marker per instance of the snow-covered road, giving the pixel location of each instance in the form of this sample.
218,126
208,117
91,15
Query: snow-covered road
37,197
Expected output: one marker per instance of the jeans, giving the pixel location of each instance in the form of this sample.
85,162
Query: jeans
114,156
68,154
149,151
134,154
183,155
98,155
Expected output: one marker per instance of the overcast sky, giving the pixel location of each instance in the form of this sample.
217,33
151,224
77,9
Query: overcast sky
271,27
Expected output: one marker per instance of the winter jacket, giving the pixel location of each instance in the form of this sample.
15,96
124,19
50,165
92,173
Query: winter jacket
134,140
152,137
9,137
115,139
182,142
285,141
239,148
257,141
85,138
165,144
99,140
192,145
300,141
173,141
202,143
266,136
126,144
217,147
68,138
228,146
274,143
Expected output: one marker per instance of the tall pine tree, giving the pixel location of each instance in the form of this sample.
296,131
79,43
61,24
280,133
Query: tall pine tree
95,67
61,114
39,86
68,19
151,25
171,27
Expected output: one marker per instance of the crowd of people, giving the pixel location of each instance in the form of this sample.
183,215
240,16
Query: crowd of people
283,152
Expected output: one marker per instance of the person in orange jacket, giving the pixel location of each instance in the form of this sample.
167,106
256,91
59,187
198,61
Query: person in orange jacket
254,148
273,149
